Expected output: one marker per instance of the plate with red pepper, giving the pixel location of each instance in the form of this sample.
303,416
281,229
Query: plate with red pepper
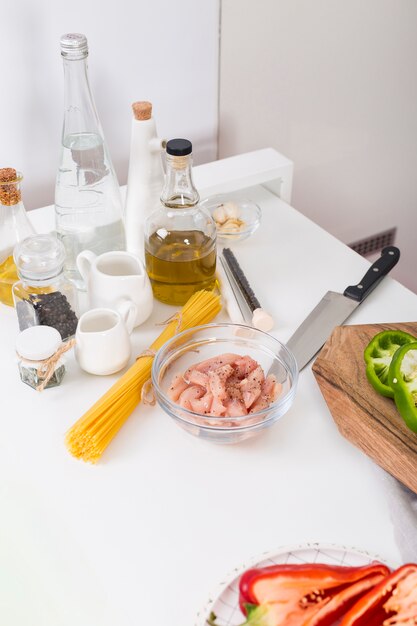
316,585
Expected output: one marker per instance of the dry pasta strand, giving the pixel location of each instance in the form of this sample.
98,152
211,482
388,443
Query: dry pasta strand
91,434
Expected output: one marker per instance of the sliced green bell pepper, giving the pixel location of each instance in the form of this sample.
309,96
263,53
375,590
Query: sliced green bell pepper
402,378
378,355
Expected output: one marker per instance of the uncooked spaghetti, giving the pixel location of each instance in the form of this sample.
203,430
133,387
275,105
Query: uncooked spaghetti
91,434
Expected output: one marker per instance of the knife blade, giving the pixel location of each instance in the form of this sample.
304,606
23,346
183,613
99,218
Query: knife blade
334,308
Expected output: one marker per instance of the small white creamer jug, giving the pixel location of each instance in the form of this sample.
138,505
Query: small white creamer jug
116,277
102,342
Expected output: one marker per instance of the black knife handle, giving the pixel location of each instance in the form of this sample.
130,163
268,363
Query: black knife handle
388,259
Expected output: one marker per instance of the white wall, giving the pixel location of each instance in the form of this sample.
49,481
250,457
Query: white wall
332,85
162,51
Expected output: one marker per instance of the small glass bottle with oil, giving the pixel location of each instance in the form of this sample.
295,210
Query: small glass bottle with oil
180,237
14,227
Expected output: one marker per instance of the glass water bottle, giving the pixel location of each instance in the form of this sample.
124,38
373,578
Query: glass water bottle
14,226
180,237
88,205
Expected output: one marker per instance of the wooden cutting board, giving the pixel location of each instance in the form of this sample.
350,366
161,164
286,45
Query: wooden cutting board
367,419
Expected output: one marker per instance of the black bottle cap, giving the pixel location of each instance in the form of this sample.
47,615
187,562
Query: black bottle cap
179,147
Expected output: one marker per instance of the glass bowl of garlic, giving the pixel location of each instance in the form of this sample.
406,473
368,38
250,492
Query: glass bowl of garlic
236,218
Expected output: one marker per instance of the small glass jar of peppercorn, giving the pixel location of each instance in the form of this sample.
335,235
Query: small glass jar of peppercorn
44,296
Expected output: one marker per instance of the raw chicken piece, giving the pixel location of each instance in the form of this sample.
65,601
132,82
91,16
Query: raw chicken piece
217,408
260,404
270,392
202,405
194,377
236,408
212,364
271,388
252,386
178,385
233,387
190,395
244,365
198,374
218,381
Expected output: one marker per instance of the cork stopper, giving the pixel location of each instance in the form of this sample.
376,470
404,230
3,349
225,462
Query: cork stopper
8,175
9,193
142,110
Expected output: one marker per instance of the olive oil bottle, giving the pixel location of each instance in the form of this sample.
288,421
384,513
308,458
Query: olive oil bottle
14,227
180,238
8,276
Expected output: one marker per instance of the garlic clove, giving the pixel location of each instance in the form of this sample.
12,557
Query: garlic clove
219,214
231,209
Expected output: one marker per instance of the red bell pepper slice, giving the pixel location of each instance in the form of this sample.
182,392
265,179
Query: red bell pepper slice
304,595
392,602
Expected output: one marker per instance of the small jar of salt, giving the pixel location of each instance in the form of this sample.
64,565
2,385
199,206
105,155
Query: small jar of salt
40,357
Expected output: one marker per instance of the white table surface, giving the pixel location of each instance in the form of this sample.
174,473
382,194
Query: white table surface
144,536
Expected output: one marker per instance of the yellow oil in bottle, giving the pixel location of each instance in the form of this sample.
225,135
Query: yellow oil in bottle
179,263
8,276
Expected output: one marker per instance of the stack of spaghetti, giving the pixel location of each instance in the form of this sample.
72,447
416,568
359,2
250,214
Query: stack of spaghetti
93,432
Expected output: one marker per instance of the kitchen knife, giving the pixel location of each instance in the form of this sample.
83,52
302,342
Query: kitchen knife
335,308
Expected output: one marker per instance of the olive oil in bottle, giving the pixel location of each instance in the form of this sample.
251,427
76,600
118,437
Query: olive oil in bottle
179,264
8,276
180,238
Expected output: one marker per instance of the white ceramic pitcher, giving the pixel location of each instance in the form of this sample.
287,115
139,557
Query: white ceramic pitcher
115,277
102,342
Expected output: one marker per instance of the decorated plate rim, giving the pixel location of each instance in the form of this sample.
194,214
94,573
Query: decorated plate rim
269,554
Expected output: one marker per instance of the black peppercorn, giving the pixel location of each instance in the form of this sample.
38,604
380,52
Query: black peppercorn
48,309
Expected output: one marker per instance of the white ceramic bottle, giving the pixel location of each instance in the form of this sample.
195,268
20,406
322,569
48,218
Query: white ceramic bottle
145,178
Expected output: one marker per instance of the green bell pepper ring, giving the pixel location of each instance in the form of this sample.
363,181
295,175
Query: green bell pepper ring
378,355
402,378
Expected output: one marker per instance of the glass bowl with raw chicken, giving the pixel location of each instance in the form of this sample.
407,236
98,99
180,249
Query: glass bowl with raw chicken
224,382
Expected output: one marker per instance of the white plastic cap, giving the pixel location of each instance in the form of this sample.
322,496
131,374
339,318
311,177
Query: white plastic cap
262,320
38,342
